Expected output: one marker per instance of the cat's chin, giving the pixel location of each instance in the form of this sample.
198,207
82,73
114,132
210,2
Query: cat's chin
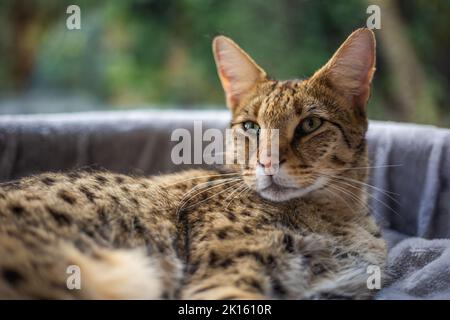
277,193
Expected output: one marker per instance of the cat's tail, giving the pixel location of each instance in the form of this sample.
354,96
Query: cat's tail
72,274
114,274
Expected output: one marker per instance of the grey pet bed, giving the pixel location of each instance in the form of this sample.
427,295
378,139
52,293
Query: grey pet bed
411,162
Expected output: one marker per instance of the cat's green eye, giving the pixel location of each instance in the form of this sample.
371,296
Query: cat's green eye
310,124
250,125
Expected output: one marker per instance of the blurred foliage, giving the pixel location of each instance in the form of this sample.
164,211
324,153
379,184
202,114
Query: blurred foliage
158,52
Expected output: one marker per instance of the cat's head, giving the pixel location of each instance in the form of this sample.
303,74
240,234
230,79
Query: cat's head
321,120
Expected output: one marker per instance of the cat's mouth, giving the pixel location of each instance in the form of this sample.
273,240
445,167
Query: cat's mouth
275,192
275,187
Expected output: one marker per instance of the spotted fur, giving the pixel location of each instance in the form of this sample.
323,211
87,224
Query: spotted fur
209,234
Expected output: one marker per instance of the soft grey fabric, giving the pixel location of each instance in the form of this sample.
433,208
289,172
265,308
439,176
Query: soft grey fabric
130,142
420,269
413,163
410,175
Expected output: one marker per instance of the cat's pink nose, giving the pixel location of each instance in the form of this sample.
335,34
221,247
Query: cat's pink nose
267,167
266,163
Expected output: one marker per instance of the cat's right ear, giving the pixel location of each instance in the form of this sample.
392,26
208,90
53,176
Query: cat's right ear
237,70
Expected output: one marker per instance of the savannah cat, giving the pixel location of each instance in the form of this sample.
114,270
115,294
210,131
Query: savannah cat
304,232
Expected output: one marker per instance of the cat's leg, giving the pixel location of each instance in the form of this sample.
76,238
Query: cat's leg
209,290
253,268
221,264
245,282
358,275
348,284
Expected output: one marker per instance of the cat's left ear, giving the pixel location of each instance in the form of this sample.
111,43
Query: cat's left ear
351,68
237,70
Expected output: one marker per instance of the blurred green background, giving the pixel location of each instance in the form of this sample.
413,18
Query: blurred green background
157,53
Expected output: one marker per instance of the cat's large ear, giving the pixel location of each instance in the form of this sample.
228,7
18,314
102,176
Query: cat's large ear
237,71
351,68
